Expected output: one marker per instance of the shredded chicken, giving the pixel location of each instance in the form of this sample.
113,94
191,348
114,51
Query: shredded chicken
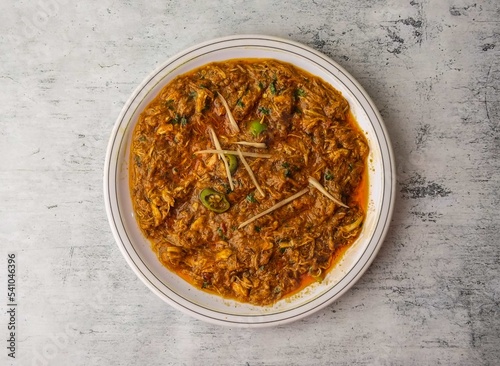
294,130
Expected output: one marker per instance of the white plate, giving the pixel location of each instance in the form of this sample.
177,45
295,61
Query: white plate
178,293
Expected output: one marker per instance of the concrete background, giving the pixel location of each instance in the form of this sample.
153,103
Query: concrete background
432,296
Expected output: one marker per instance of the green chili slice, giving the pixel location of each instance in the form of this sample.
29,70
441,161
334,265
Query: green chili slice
214,200
232,160
256,128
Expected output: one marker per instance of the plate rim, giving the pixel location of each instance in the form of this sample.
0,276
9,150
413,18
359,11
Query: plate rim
251,320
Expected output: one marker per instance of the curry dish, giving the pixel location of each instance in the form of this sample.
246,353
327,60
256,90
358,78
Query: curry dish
249,178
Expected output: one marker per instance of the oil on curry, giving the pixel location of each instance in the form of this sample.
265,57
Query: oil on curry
249,178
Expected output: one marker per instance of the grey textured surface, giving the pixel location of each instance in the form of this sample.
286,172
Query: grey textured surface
432,296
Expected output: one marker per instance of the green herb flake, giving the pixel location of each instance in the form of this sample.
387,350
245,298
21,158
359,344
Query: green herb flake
170,104
227,187
221,234
287,172
328,175
193,95
261,86
239,103
180,120
300,92
272,87
250,198
264,110
257,228
137,160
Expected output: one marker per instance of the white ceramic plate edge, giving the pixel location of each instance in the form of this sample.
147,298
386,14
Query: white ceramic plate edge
237,320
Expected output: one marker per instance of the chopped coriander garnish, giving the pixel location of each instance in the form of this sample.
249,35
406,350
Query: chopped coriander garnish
170,104
257,228
328,175
227,187
287,172
192,95
250,198
137,160
264,110
239,103
272,87
261,86
182,120
300,92
221,234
